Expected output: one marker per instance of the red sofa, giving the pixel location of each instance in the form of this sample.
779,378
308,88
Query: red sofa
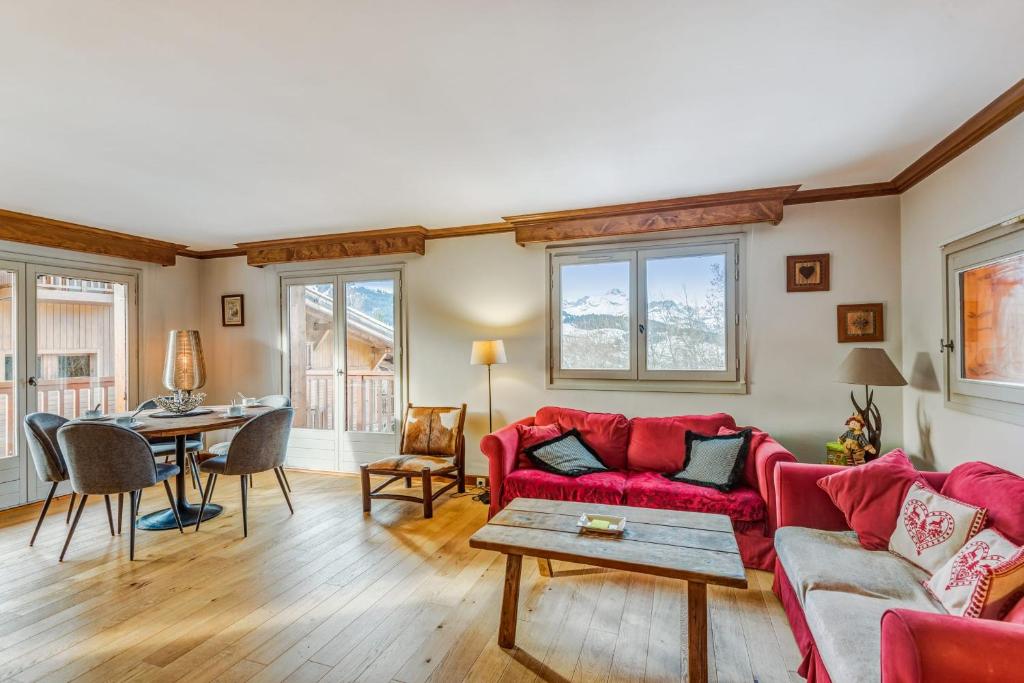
843,589
638,450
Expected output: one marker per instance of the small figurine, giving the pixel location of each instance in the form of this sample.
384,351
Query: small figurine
855,441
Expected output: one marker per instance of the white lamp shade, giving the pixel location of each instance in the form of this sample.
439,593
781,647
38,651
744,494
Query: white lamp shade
870,367
488,352
184,366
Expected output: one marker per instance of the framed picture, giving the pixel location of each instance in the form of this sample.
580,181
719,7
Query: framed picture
860,323
232,310
807,273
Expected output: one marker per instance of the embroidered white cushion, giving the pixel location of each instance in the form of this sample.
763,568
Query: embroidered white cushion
931,527
985,577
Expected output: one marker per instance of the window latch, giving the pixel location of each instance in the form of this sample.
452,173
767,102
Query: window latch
945,345
642,328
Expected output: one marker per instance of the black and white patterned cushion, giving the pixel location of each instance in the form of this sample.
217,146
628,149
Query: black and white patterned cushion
568,454
714,461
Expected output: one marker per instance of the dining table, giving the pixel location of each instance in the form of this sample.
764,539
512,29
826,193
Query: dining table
159,423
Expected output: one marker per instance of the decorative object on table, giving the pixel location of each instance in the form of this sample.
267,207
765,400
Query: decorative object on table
870,367
808,273
488,352
854,442
432,446
612,525
835,454
232,310
184,372
859,323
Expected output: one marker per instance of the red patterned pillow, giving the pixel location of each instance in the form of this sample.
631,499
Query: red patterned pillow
931,528
532,435
983,579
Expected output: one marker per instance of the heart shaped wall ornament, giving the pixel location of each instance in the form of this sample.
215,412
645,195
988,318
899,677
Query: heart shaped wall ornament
971,563
807,271
927,528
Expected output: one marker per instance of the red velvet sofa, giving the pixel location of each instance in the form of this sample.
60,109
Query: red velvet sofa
907,645
638,450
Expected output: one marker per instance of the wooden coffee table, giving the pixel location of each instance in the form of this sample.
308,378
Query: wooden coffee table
696,547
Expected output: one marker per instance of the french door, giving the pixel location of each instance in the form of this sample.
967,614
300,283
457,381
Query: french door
341,369
68,337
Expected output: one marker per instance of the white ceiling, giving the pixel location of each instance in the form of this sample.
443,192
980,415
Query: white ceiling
209,122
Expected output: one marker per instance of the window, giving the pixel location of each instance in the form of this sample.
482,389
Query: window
64,366
985,321
656,316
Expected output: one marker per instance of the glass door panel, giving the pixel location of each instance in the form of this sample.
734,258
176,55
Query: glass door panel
370,356
11,464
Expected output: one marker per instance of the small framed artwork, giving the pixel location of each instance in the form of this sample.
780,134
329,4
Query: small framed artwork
232,310
860,323
807,273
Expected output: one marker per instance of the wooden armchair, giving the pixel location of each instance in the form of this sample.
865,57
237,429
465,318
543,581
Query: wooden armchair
432,445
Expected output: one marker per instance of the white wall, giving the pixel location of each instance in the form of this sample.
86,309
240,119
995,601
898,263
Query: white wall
975,190
487,286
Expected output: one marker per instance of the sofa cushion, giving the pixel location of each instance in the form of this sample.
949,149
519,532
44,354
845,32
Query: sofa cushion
932,527
658,444
531,435
714,461
566,454
652,490
606,433
601,487
835,561
757,437
870,496
985,578
992,488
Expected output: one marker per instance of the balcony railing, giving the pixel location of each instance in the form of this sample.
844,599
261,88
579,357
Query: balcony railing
66,397
370,398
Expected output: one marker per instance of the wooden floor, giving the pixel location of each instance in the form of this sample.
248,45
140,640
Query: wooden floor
332,595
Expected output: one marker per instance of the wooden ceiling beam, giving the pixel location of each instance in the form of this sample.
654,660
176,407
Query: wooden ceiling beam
726,208
407,240
832,194
48,232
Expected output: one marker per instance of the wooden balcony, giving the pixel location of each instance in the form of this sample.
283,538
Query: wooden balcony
66,397
369,397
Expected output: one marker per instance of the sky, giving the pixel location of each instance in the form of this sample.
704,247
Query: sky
667,278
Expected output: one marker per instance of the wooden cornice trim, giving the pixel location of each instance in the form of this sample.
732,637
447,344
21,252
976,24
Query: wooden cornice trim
468,230
975,129
407,240
49,232
832,194
726,208
211,253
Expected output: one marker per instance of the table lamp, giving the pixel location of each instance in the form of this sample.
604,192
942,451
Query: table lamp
870,367
184,370
488,352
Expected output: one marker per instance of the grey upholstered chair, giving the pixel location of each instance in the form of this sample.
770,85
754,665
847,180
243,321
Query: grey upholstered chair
270,401
260,445
105,459
41,435
164,446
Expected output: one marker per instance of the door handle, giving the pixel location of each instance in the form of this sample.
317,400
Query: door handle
32,382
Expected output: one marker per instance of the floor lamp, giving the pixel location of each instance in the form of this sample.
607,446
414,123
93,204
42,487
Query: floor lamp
488,352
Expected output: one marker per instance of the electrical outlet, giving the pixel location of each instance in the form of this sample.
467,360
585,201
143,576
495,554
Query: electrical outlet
481,483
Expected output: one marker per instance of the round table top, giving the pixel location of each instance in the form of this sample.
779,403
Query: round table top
191,424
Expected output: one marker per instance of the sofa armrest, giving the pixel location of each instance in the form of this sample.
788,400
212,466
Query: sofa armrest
919,646
501,448
800,502
769,454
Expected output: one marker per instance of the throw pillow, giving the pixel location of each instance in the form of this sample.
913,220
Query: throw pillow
533,435
983,579
567,454
714,461
870,496
931,528
998,491
757,437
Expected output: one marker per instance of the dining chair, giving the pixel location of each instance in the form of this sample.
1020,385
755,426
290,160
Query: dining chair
260,445
106,459
41,435
165,446
270,401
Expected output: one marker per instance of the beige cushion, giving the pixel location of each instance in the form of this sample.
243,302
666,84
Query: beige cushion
431,431
412,463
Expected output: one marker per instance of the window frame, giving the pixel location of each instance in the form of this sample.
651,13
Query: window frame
999,400
731,380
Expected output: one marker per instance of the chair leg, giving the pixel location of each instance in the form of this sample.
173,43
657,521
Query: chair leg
461,474
284,490
42,513
408,482
210,481
174,506
110,515
364,478
245,505
133,502
71,530
71,506
120,507
193,465
428,499
284,476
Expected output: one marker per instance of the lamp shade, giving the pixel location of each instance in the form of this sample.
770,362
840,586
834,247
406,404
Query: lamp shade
870,367
488,352
184,366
